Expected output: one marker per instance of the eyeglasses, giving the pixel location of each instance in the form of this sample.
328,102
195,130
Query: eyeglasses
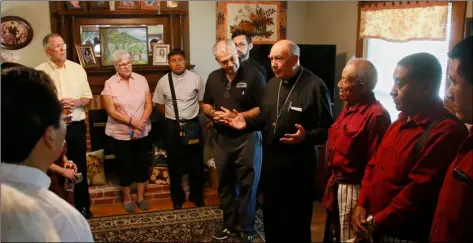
59,47
124,65
228,86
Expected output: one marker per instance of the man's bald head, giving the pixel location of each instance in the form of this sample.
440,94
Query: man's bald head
289,46
224,46
284,58
363,72
226,55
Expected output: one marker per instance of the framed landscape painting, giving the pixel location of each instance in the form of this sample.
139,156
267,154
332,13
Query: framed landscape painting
265,21
131,39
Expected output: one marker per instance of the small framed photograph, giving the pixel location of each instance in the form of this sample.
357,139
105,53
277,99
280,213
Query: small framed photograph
75,5
150,5
160,54
172,4
86,56
468,27
16,33
127,5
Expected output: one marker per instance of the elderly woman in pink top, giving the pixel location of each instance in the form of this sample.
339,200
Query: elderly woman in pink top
127,100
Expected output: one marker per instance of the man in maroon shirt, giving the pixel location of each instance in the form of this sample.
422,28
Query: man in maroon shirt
453,220
401,183
352,140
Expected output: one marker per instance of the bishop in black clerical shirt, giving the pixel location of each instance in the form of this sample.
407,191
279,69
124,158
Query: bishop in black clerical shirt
295,115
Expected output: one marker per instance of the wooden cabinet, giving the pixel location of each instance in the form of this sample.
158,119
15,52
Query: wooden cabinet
68,21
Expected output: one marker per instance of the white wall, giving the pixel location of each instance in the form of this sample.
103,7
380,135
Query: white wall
469,9
334,23
37,14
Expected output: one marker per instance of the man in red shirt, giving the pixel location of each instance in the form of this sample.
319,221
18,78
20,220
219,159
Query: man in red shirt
352,140
401,183
453,220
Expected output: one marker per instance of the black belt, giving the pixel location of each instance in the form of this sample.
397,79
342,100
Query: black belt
195,119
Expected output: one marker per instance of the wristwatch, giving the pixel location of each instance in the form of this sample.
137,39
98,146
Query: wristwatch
370,219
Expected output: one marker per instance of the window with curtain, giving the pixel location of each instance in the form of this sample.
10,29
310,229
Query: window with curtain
384,51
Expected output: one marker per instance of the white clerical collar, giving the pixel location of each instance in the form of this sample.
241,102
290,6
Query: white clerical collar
21,174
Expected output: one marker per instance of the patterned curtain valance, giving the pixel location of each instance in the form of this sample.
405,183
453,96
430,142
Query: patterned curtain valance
404,21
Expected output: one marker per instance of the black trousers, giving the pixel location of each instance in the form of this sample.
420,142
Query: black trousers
288,195
76,151
134,158
184,159
238,162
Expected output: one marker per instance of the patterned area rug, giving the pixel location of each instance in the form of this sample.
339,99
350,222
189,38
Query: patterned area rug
184,225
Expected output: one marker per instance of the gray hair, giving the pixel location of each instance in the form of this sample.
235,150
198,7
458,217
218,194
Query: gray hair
119,55
224,46
294,49
365,72
48,37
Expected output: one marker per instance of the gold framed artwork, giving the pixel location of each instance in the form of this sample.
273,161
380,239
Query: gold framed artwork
86,56
160,54
172,4
265,21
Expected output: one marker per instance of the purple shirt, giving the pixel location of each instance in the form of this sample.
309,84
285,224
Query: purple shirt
129,100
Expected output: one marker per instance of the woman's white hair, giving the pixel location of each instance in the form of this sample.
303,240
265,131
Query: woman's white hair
23,219
119,55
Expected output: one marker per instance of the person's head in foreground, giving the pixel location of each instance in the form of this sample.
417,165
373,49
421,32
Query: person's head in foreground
33,130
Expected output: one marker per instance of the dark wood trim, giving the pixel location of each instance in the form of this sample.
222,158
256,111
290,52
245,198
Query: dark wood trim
457,31
359,42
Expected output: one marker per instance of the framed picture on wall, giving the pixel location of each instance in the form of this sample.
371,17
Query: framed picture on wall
132,39
86,56
150,5
16,33
160,54
125,5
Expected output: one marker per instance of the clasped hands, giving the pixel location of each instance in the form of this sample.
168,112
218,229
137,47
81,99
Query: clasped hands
138,127
237,120
70,103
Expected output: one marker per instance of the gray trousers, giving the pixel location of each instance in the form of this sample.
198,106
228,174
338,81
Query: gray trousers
238,161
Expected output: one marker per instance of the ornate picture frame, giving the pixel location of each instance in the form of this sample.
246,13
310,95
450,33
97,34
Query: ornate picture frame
86,56
266,21
150,5
127,5
160,54
16,33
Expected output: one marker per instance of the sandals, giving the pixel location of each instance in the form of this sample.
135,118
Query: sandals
130,207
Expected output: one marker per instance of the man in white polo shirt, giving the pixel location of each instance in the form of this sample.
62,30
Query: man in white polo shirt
182,158
73,91
32,137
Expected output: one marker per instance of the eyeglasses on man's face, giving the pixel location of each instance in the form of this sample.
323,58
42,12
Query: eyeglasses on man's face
228,86
124,65
58,47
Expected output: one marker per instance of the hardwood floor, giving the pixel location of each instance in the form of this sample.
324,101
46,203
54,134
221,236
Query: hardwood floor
317,227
